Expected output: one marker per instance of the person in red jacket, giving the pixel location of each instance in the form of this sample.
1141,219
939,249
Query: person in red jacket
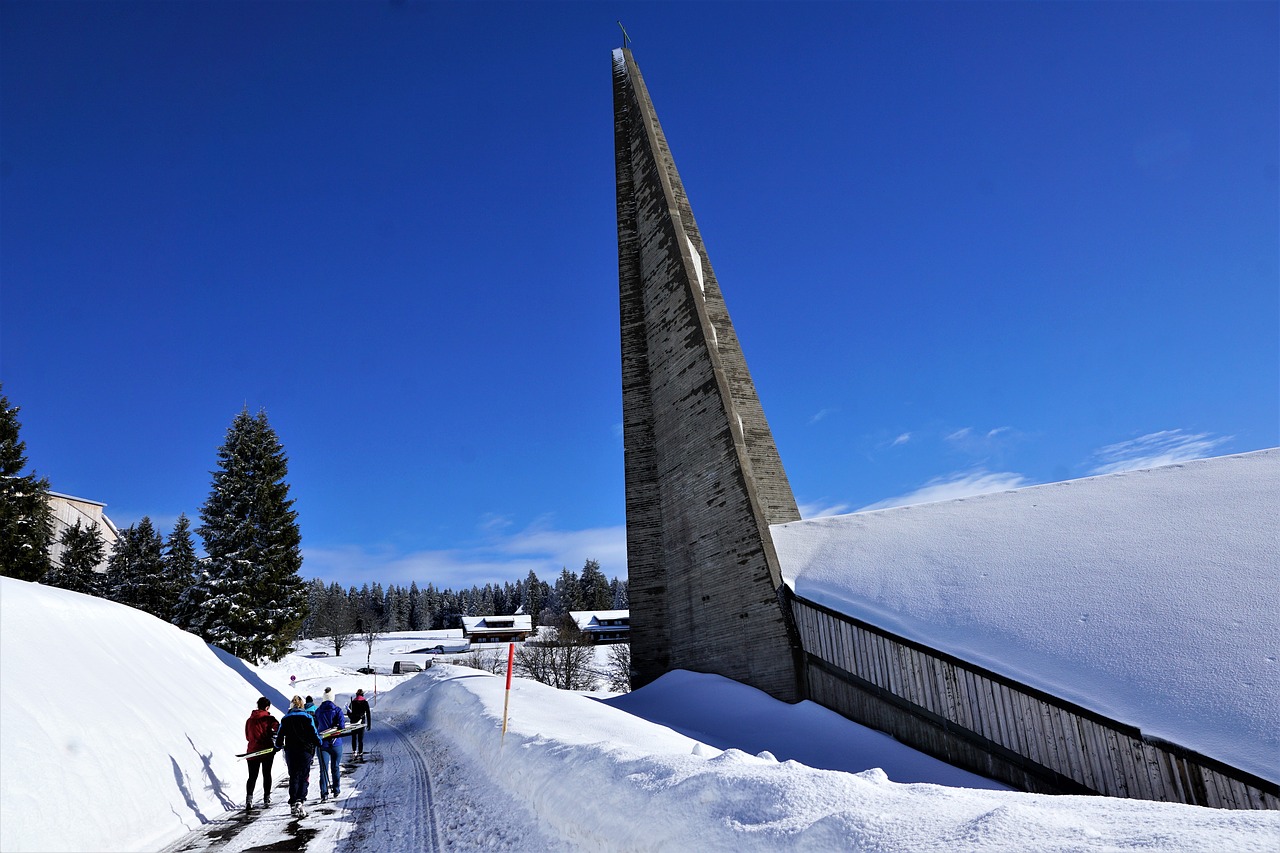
260,731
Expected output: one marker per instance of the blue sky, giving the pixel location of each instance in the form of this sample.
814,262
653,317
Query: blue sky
965,246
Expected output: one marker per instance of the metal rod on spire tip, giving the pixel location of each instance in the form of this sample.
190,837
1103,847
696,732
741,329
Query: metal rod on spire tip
626,39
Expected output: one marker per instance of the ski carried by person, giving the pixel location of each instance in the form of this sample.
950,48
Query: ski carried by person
337,731
256,753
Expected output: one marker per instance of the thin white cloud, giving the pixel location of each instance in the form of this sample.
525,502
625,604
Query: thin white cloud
961,485
1166,447
501,558
818,510
820,415
902,439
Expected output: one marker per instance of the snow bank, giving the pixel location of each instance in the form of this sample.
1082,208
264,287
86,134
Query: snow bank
727,714
604,780
1151,596
117,731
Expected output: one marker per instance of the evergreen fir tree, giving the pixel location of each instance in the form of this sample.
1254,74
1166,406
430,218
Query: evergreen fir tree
567,596
593,588
250,531
26,521
179,567
621,595
82,550
415,607
135,571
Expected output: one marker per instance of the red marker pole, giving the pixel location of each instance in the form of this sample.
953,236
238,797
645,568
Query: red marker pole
511,656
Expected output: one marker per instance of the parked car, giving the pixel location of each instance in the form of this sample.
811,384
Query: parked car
367,670
402,666
436,650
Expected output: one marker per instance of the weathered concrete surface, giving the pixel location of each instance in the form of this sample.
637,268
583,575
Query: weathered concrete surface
703,477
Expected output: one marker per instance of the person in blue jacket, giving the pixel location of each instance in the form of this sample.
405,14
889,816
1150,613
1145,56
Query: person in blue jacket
299,740
329,716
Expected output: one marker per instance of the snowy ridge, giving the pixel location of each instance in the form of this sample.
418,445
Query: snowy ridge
1152,596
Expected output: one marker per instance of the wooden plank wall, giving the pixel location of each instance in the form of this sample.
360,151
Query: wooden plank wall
977,719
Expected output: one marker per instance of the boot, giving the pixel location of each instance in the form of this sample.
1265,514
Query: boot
248,803
266,800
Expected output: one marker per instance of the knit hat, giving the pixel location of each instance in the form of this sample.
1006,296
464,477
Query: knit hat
360,692
328,695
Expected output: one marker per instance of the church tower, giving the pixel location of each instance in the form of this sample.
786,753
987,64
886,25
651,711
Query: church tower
703,477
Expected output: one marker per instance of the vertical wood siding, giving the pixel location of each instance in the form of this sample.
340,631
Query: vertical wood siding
984,722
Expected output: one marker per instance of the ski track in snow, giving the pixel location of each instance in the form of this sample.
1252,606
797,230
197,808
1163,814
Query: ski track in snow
396,769
468,814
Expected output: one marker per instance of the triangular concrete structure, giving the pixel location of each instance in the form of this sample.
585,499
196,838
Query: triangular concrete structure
703,476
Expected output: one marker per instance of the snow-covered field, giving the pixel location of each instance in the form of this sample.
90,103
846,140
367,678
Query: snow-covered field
117,732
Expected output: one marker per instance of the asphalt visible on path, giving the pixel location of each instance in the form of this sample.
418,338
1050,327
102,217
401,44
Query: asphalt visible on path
390,781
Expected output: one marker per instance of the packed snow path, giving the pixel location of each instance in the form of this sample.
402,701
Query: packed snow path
388,802
395,768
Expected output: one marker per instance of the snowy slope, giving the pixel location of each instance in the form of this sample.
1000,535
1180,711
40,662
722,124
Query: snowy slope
117,730
1150,596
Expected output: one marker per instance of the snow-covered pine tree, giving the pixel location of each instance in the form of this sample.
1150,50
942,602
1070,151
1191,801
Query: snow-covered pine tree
621,594
26,521
593,588
257,599
82,550
179,567
135,570
535,597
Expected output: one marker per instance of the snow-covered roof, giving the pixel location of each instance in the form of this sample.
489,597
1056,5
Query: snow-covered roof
1150,596
590,620
481,624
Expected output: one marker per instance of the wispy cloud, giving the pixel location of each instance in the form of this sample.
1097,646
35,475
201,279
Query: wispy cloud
1166,447
813,419
902,439
818,510
502,557
960,485
980,442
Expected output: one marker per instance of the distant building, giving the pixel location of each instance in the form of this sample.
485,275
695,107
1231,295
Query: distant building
604,626
67,510
497,629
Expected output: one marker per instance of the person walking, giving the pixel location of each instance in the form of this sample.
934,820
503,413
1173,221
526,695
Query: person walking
358,712
260,731
329,716
298,738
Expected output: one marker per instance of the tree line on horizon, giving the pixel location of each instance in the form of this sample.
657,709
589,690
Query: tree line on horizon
335,611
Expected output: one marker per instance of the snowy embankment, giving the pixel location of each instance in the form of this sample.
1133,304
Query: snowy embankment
602,780
118,732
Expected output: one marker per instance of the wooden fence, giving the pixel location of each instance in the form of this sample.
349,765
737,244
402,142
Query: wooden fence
982,721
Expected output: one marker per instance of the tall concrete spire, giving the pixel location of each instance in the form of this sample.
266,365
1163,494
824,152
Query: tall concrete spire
703,477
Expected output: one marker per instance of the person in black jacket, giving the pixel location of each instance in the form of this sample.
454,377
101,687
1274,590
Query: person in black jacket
299,739
358,712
